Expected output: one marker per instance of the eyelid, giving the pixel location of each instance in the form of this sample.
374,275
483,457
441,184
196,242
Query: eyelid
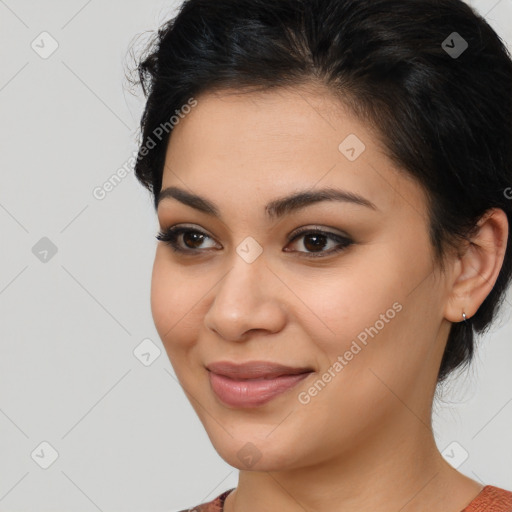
316,227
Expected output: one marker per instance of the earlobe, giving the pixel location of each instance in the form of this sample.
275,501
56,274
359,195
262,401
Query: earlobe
478,266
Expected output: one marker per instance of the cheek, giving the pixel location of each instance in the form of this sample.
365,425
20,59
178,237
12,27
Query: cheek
172,302
379,342
363,314
342,305
162,300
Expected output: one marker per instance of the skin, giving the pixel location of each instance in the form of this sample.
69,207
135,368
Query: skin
364,442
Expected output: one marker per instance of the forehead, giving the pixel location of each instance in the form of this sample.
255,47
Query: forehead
265,144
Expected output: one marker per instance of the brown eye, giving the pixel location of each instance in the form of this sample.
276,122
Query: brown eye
314,241
193,239
184,239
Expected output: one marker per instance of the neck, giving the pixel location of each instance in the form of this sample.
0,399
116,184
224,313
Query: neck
393,470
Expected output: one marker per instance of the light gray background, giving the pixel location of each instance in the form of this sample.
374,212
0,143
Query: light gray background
127,438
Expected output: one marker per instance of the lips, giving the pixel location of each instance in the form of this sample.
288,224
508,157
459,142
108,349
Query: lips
254,383
254,370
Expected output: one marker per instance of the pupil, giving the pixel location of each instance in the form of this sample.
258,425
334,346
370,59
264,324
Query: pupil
315,245
198,239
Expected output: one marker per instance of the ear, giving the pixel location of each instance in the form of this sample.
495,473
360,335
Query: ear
478,267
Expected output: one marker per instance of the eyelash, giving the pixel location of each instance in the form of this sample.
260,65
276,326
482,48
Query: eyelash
170,235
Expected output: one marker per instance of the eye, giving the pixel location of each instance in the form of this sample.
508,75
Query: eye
188,240
192,238
316,240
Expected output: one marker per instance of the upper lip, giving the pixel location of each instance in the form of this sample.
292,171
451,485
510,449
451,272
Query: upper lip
254,369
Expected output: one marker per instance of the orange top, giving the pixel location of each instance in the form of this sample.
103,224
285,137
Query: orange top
490,499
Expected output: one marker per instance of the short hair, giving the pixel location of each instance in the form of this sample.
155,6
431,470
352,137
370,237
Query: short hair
430,76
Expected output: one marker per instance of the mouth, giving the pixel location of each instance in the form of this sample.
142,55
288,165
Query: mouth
252,370
254,383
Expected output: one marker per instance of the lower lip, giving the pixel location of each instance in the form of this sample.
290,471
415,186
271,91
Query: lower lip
252,393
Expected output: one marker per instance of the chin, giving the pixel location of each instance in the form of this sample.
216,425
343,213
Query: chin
257,452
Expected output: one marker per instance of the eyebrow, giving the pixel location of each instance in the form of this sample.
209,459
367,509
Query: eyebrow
276,208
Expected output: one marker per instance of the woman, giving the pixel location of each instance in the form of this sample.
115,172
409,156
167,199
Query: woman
334,208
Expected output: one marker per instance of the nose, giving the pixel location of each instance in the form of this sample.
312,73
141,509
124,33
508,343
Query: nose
246,299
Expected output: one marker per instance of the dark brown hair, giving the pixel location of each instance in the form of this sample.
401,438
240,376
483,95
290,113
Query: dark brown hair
431,76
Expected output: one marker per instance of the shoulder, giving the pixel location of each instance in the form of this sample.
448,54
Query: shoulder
215,505
491,499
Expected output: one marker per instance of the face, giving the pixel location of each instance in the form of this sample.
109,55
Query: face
344,288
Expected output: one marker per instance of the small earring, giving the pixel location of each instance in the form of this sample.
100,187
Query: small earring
464,316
